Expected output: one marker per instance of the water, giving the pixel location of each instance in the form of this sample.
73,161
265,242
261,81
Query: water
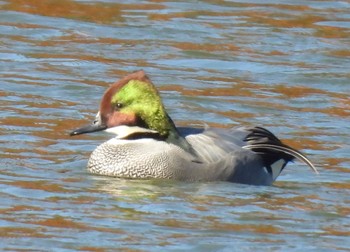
283,66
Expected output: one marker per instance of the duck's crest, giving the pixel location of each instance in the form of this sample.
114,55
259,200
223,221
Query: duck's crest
135,101
106,102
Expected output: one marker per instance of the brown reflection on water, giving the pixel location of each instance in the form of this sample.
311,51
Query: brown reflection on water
44,133
206,47
286,21
249,90
292,203
50,124
96,12
23,25
332,32
94,249
13,232
339,186
81,199
75,56
256,16
336,164
258,95
336,231
302,91
85,39
99,12
239,89
48,146
19,208
340,53
38,185
60,222
185,14
215,224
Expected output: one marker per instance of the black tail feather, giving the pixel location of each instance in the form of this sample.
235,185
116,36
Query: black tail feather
272,150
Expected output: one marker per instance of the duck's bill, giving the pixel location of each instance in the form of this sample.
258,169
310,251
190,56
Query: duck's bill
88,129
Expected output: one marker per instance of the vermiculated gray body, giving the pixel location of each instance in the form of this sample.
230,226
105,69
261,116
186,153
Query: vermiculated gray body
218,156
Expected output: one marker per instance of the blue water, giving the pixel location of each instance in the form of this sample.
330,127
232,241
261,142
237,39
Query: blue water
283,66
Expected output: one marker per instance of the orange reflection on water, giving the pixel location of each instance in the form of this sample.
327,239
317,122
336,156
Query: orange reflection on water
304,21
332,32
340,53
234,90
60,222
18,208
215,224
186,14
206,47
13,232
96,12
37,185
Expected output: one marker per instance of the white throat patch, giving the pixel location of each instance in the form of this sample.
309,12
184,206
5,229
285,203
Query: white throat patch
123,131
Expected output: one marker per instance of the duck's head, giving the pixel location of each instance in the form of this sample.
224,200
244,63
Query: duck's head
131,104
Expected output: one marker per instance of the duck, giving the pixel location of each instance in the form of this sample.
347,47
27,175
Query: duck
146,143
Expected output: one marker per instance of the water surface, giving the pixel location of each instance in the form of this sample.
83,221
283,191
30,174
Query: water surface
283,66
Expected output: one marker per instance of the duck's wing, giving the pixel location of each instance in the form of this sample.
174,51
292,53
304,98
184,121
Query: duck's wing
255,155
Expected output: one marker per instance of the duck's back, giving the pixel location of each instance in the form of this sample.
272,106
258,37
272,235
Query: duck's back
225,158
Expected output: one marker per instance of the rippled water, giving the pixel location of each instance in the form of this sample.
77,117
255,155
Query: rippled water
283,66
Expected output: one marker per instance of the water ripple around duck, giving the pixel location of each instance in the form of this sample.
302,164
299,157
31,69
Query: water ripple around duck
279,65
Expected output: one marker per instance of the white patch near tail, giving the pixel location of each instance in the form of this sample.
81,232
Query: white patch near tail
277,167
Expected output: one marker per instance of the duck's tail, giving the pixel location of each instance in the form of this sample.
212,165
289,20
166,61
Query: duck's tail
273,152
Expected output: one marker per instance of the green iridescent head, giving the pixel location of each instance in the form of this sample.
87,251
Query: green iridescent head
134,101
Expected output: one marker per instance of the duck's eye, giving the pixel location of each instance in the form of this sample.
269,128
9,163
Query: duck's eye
118,105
